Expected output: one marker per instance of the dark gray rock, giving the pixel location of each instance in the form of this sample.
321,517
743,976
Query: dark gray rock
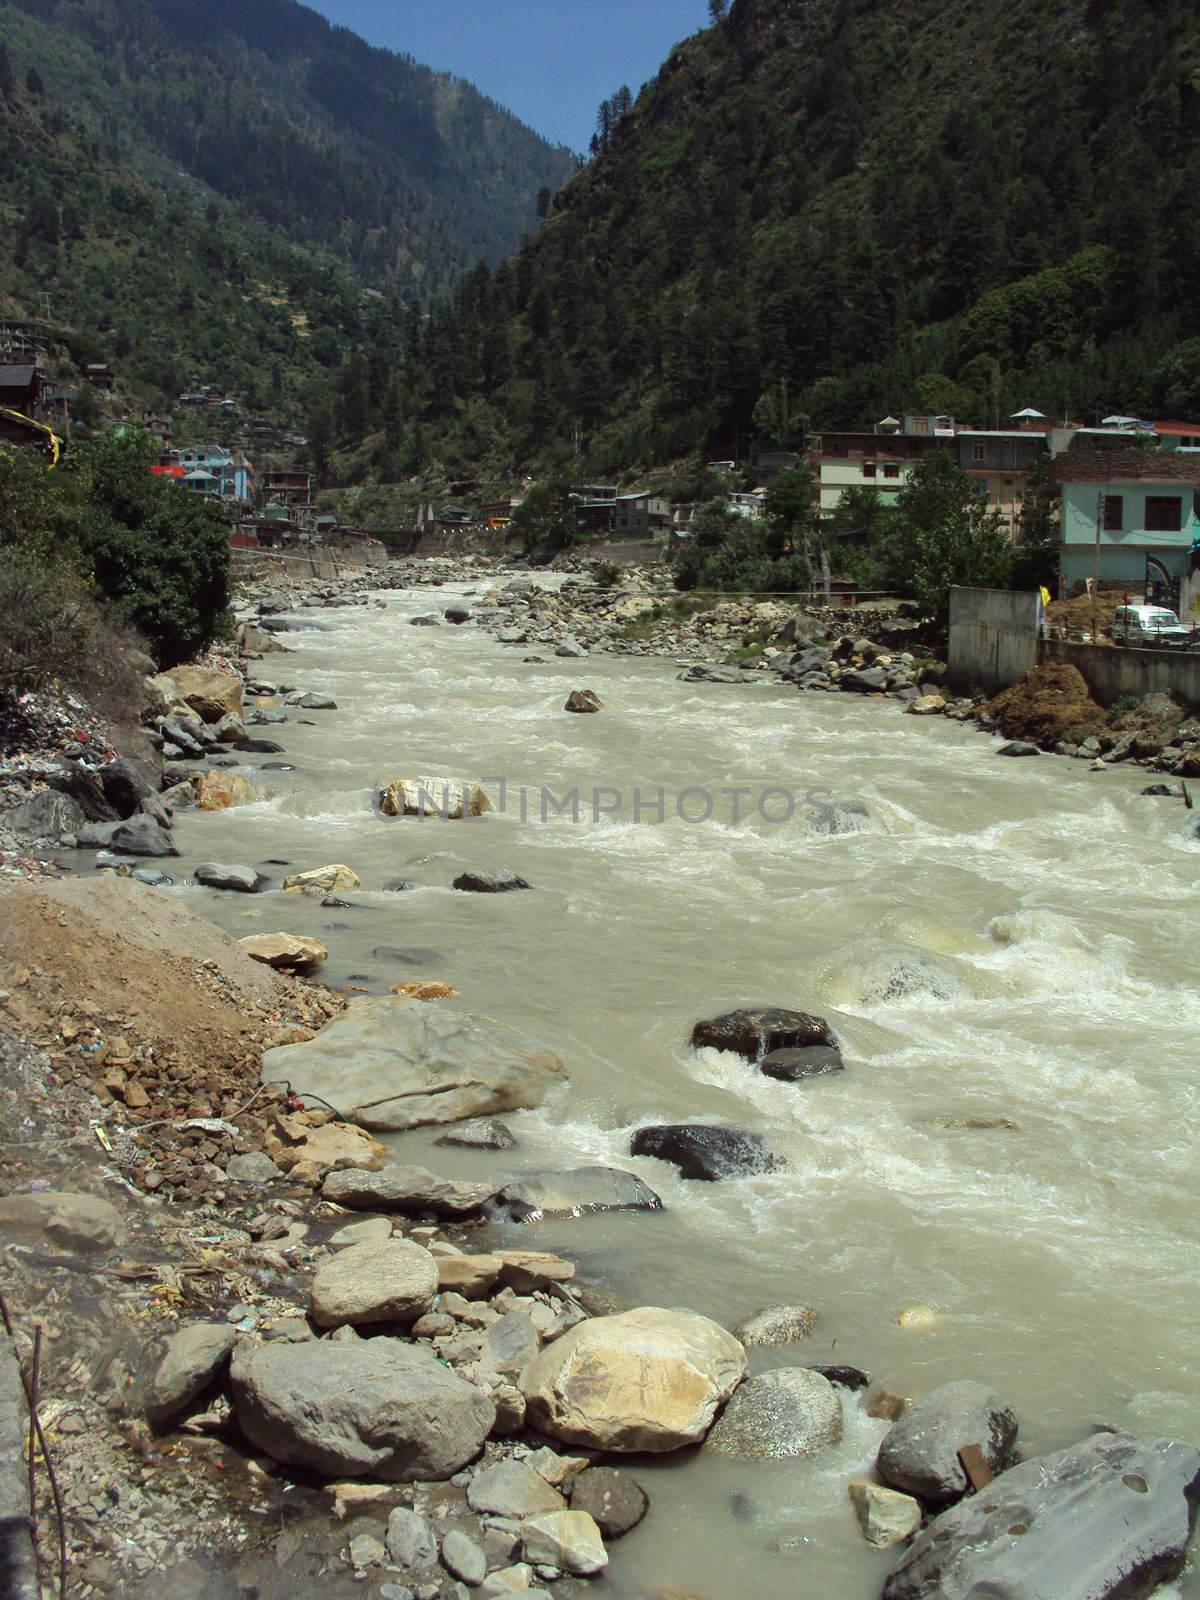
1108,1519
1018,747
46,815
793,1066
127,786
424,622
312,702
783,1413
268,715
811,660
614,1501
261,747
756,1031
574,1193
457,614
830,814
499,882
847,1377
192,1360
242,880
701,673
141,836
398,885
863,680
483,1133
919,1454
701,1150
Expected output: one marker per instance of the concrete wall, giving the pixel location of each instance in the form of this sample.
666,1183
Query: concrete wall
627,552
993,638
1111,673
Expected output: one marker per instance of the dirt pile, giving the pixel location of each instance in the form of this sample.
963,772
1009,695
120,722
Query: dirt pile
151,1008
1049,703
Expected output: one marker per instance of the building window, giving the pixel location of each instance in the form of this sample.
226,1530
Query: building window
868,470
1114,513
920,425
1164,513
891,472
977,452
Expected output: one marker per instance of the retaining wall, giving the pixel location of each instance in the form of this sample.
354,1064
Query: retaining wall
1112,672
993,638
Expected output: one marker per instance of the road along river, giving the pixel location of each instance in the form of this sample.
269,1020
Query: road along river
1008,943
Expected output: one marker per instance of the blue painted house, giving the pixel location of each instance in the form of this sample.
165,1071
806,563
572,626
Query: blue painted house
1142,505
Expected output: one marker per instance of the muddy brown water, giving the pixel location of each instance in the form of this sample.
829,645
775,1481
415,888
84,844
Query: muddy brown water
1006,939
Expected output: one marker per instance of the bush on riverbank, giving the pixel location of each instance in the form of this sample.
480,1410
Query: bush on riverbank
103,526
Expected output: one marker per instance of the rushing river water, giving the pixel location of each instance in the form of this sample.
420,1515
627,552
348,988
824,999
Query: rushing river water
1048,915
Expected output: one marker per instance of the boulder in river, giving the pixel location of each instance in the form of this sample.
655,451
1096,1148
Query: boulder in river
647,1379
217,791
324,880
141,836
404,1188
312,702
919,1454
774,1325
218,875
1108,1519
481,1133
374,1408
291,952
787,1412
885,1516
755,1031
583,700
864,680
615,1501
432,797
391,1062
1018,747
794,1066
210,694
457,614
574,1193
829,815
703,673
703,1150
502,881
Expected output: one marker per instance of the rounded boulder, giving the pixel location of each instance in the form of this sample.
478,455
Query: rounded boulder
391,1281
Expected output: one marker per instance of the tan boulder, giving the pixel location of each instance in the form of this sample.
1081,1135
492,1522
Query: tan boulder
323,880
647,1379
425,991
210,694
290,951
217,791
527,1270
925,705
470,1276
432,797
336,1146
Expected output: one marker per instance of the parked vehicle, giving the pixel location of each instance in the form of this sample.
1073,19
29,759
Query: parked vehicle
1149,628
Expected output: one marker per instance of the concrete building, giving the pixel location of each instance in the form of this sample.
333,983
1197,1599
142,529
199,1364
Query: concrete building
1129,516
999,461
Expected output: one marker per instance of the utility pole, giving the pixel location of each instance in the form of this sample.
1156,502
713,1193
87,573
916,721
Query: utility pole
1100,500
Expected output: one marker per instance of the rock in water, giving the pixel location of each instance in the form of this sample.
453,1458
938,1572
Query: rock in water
794,1066
774,1325
400,1188
1108,1519
432,797
583,700
217,791
756,1031
569,1540
501,881
484,1133
393,1281
1018,747
291,951
211,695
68,1218
703,1151
324,880
392,1063
192,1359
920,1453
885,1516
647,1379
141,836
242,880
614,1501
789,1411
575,1193
375,1408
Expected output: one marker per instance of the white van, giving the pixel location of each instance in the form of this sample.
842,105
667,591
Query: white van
1149,627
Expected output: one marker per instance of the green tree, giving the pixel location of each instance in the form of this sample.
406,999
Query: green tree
939,534
790,511
545,519
544,197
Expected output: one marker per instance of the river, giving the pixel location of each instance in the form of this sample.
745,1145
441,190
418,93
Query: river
1048,915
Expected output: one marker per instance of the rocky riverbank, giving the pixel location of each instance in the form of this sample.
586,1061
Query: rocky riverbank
302,1368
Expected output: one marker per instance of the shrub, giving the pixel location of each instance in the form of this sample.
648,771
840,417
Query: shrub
606,573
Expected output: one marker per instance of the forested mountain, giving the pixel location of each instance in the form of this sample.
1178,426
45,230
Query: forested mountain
824,210
405,174
160,286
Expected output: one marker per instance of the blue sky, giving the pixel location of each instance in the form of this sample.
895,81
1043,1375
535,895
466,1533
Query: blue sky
549,61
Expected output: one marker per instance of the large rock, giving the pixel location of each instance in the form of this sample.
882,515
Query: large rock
432,797
775,1325
338,1145
324,880
885,1516
141,836
575,1193
483,1133
1108,1519
647,1379
46,815
211,695
194,1357
392,1062
502,881
410,1189
701,1150
755,1031
702,673
376,1407
614,1501
220,875
217,791
787,1412
583,700
393,1281
864,680
68,1218
568,1540
289,951
829,814
920,1453
795,1066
